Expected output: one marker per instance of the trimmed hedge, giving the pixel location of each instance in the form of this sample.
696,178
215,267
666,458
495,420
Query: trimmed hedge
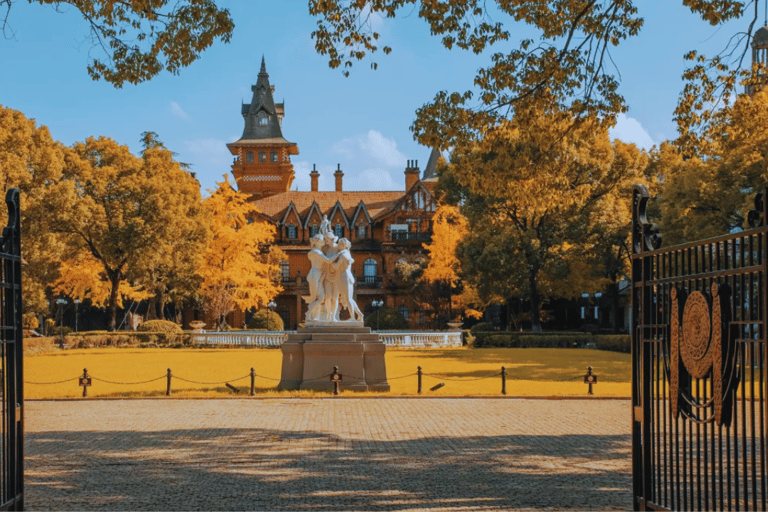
159,326
98,339
264,319
615,343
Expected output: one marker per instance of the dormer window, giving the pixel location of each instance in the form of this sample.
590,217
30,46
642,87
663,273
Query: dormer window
338,230
362,232
292,231
263,118
313,230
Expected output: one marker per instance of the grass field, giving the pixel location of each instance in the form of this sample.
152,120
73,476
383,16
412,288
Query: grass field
530,372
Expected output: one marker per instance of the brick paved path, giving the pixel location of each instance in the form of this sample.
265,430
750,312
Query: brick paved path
351,454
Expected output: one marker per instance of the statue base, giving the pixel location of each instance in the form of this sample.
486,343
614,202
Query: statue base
310,355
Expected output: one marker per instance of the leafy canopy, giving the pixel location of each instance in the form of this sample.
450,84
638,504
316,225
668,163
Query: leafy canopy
141,38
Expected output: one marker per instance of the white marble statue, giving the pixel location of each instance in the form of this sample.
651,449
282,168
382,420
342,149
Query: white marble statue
331,282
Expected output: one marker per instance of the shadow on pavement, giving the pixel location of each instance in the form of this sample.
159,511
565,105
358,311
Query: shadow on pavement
236,469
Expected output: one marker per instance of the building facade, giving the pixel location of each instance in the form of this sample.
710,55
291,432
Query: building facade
383,227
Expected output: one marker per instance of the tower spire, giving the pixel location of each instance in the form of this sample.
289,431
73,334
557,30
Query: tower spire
263,69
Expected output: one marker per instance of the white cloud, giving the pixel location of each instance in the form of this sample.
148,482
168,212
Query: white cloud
378,179
178,111
382,149
630,130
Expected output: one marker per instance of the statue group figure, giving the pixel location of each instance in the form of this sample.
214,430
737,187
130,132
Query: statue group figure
331,282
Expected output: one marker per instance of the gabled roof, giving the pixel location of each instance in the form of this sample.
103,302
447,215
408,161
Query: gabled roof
375,202
338,207
418,186
314,208
361,209
291,208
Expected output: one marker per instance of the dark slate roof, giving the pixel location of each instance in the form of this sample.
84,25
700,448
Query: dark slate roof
262,102
760,39
430,170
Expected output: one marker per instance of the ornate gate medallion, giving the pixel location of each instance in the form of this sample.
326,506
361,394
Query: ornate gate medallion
700,348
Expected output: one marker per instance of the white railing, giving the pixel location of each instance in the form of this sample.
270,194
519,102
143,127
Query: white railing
421,339
249,338
414,339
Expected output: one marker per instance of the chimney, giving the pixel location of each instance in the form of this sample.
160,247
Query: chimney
314,175
411,174
338,175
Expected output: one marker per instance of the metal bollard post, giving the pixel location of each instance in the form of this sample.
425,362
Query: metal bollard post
168,387
336,379
503,380
253,382
590,378
418,372
85,381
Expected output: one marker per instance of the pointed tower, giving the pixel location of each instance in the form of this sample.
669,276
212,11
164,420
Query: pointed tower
262,165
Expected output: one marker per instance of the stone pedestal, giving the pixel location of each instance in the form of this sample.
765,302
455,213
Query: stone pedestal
310,354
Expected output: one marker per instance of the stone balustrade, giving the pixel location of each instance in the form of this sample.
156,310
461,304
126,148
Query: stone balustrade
419,339
243,338
415,339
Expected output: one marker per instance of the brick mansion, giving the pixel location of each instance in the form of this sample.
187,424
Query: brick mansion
383,227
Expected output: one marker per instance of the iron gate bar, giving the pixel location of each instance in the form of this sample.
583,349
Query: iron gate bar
11,349
699,385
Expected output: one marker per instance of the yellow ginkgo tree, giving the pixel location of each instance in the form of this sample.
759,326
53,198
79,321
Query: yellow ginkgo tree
239,265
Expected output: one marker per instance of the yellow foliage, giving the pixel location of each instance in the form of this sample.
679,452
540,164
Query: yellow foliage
236,267
83,278
449,228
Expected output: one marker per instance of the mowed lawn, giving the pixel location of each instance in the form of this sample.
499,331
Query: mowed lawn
464,371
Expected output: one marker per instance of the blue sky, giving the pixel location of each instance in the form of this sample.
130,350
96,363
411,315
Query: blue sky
360,122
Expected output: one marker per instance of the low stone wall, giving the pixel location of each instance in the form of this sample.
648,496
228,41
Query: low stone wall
418,339
414,339
241,338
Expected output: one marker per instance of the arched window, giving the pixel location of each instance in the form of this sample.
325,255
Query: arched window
403,311
263,118
285,270
338,230
249,156
262,156
291,231
370,270
273,156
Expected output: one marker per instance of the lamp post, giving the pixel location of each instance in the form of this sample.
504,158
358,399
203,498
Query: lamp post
271,307
378,304
61,303
77,302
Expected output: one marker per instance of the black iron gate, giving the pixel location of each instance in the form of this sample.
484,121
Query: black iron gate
699,382
11,378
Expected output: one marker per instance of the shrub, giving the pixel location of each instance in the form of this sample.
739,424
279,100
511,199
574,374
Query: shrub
615,343
159,326
482,327
39,345
387,319
30,321
98,339
266,320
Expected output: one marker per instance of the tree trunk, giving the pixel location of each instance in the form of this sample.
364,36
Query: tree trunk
114,280
535,301
152,308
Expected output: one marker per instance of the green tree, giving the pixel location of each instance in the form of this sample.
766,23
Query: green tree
141,38
531,196
170,274
32,161
712,194
121,214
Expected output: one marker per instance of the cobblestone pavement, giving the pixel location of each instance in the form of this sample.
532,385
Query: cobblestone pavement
345,455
